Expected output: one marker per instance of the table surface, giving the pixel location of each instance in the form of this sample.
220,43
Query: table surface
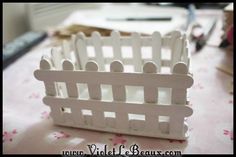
27,127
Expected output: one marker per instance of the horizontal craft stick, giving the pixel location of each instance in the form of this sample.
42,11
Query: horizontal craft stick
134,79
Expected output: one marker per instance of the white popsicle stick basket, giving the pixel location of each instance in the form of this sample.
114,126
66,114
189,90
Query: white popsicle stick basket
120,84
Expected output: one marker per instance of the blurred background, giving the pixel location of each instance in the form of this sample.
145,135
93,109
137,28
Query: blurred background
19,18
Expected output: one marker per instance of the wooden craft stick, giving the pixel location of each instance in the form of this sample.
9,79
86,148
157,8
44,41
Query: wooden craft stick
81,50
156,49
150,92
136,46
179,95
118,91
72,90
225,69
94,89
115,39
96,38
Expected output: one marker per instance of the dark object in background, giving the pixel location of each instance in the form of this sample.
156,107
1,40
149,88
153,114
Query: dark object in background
21,45
201,41
227,38
66,32
225,43
141,19
198,5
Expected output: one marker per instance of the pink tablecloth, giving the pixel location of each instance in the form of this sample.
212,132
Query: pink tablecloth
27,127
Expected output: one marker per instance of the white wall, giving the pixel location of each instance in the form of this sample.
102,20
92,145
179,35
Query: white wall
14,21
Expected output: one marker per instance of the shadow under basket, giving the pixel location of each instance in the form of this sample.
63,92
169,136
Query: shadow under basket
136,85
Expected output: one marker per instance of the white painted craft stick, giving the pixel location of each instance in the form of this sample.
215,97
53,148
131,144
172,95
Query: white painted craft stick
118,91
73,53
122,120
96,37
73,57
127,41
66,49
129,79
137,125
186,53
71,87
151,123
176,51
178,95
184,44
184,50
121,109
73,40
95,93
136,43
156,49
93,88
81,50
189,65
150,92
115,39
57,58
77,115
53,66
176,124
45,63
110,122
56,115
174,35
50,87
99,119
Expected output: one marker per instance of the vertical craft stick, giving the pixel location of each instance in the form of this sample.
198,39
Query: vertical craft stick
176,52
93,89
184,44
185,50
122,120
150,92
118,91
115,40
50,87
73,40
136,45
81,50
119,94
56,114
96,38
72,90
174,35
95,93
151,123
73,53
156,49
57,58
176,125
179,95
66,49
